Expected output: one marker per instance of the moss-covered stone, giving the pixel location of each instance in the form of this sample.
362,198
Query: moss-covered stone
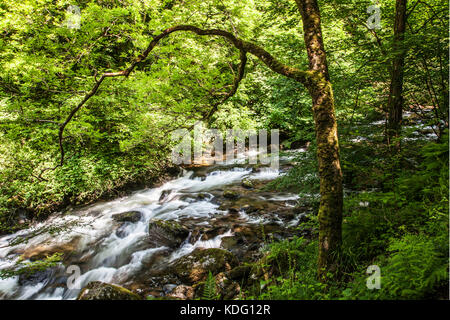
166,233
203,196
240,273
228,242
247,183
98,290
42,251
129,216
231,194
196,266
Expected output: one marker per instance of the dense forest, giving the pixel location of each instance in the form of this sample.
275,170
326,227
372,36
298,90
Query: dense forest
91,93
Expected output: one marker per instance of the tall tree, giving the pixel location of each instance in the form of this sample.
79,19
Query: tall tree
395,101
316,79
330,173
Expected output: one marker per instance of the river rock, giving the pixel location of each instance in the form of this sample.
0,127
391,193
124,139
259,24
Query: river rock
97,290
164,195
240,273
129,216
196,266
168,288
247,183
228,242
203,196
231,194
182,292
166,233
42,251
226,288
229,206
34,278
213,232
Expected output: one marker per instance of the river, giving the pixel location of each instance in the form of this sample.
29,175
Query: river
104,249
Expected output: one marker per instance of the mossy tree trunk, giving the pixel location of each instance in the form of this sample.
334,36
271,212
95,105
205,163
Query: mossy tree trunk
330,173
395,101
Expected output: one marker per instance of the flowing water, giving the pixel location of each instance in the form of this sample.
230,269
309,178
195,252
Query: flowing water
108,251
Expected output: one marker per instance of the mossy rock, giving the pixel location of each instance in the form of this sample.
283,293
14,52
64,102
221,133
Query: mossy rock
129,216
213,232
167,233
41,251
230,206
97,290
247,183
196,266
241,272
203,196
228,242
231,194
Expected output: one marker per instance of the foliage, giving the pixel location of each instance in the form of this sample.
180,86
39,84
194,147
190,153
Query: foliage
209,288
401,227
396,204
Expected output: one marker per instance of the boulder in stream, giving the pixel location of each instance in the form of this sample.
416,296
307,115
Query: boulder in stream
42,251
231,194
129,216
195,266
97,290
247,183
167,233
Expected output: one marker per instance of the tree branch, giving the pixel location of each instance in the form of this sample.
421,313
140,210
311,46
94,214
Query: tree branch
242,45
237,80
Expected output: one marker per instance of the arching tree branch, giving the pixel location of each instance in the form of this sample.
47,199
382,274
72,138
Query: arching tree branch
242,45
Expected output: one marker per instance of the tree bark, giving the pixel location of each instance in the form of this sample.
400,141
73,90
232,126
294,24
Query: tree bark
330,173
395,101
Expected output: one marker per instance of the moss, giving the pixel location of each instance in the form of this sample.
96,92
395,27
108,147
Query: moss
241,273
196,266
129,216
167,233
231,194
247,183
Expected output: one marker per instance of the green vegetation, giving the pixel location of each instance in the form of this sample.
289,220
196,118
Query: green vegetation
30,268
395,204
209,288
400,223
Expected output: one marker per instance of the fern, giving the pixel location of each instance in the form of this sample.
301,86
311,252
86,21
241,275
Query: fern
210,290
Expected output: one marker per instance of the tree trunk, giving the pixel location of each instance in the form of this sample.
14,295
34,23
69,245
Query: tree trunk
330,210
395,101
